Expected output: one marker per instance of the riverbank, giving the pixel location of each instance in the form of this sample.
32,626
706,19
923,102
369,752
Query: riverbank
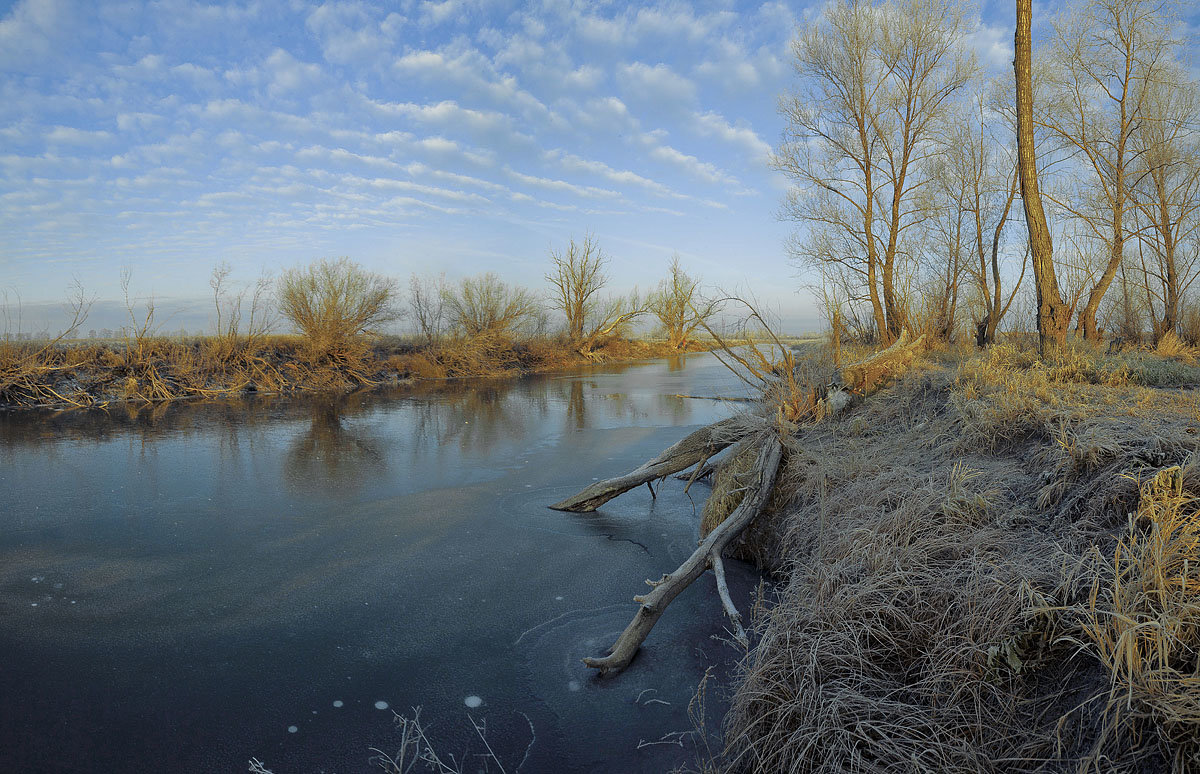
151,370
992,565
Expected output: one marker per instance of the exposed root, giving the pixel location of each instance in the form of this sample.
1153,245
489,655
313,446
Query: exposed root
653,605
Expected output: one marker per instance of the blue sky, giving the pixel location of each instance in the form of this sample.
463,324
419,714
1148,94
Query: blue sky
458,137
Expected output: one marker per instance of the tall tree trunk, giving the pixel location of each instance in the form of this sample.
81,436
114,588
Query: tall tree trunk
881,319
1053,315
1087,317
1170,321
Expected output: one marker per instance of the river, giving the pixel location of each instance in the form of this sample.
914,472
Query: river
189,586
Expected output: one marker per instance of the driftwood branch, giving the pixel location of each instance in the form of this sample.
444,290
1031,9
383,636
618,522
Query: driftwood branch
735,618
693,449
652,605
849,385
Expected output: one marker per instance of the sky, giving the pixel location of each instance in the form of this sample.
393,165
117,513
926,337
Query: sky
452,137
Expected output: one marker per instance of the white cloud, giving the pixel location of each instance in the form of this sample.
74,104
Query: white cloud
571,163
68,135
677,22
33,31
656,84
474,73
349,34
561,186
387,183
343,156
702,170
447,113
712,124
289,74
993,44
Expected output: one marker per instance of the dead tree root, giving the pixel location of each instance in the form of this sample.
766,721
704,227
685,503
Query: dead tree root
652,605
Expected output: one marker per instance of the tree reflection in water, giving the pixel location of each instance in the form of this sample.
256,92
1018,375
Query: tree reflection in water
473,416
329,457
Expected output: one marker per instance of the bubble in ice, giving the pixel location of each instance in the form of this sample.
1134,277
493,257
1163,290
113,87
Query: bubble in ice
472,701
381,705
292,729
337,703
573,685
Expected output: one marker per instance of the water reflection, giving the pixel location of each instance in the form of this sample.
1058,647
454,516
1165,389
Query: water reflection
473,415
330,458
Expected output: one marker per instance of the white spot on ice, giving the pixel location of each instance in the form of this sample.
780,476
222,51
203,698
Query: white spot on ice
337,703
33,604
472,701
559,599
292,729
381,705
573,685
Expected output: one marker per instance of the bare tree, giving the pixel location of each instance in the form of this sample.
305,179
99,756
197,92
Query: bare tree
1053,317
876,79
948,233
576,278
427,302
1107,55
977,183
678,306
237,326
486,305
1166,193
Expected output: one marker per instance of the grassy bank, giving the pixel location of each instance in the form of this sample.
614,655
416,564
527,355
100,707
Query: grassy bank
151,369
992,565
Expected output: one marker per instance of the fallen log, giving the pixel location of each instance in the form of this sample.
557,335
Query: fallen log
848,386
695,448
708,555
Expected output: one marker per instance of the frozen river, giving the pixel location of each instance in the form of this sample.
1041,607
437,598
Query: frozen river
186,587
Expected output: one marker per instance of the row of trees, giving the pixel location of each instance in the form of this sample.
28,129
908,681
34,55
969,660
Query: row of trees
333,302
905,168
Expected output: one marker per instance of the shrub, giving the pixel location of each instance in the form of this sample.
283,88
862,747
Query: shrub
333,304
486,305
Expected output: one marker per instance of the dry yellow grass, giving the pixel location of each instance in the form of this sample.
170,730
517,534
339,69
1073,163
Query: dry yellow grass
1142,619
148,369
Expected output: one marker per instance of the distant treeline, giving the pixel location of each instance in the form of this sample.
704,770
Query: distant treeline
479,326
